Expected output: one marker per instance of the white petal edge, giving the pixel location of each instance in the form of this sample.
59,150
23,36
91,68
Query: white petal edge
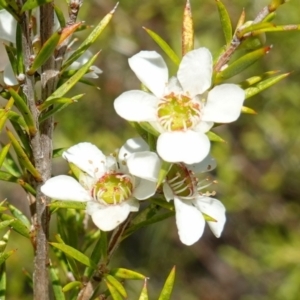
174,86
189,147
9,76
133,204
168,193
88,158
144,189
131,146
206,165
107,218
215,209
189,220
203,126
137,106
195,71
64,187
8,26
224,103
144,164
151,70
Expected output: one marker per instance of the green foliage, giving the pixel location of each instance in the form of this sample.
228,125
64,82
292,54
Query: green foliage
3,280
214,137
22,156
12,7
63,89
91,39
144,293
45,52
164,46
20,103
114,291
74,253
115,287
71,285
17,225
68,204
5,255
126,274
264,84
31,4
168,287
242,64
99,253
164,170
19,215
57,288
225,21
3,153
147,217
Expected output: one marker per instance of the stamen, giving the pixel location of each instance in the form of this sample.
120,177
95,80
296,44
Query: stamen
113,188
183,189
201,187
178,112
174,178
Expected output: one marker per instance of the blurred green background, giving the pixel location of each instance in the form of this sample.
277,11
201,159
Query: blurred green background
258,255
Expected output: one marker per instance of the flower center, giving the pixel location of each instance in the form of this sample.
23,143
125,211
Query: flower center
185,184
178,112
182,181
113,188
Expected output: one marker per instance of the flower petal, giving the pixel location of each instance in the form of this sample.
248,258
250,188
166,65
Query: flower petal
151,70
224,103
189,147
195,71
206,165
133,204
203,126
64,187
137,106
168,193
87,181
8,26
144,164
93,71
189,220
88,158
81,60
174,86
9,76
132,146
215,209
144,189
107,218
96,70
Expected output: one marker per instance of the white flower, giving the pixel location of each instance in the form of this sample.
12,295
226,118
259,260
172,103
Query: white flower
8,26
84,58
182,185
109,184
181,110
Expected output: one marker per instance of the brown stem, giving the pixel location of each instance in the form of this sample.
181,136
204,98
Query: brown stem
42,157
74,6
236,41
41,141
